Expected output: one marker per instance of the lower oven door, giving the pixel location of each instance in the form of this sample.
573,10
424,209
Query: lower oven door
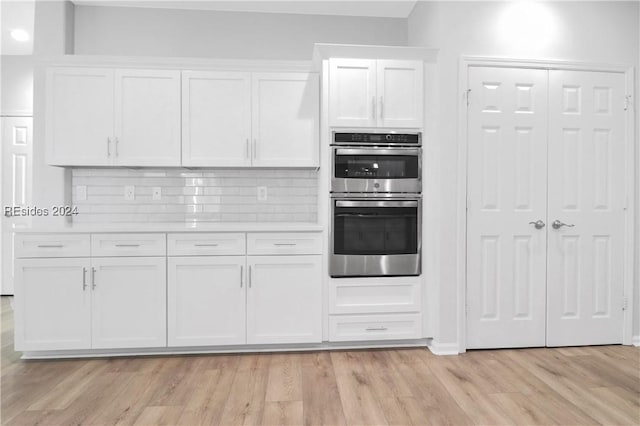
373,238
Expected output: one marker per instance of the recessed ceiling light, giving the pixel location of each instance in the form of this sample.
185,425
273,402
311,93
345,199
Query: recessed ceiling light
20,35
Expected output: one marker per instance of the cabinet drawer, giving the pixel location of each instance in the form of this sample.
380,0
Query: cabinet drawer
284,243
347,328
52,245
206,243
128,245
374,295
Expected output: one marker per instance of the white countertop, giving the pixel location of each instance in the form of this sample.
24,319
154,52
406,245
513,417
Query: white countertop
176,227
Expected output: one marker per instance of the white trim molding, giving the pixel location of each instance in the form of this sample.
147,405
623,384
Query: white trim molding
632,160
437,348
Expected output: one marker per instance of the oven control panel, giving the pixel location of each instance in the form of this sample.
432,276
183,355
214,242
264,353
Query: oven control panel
377,138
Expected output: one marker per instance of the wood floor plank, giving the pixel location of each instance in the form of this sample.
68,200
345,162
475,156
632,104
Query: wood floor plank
576,386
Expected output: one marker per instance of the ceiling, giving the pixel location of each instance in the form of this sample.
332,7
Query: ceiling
16,15
380,8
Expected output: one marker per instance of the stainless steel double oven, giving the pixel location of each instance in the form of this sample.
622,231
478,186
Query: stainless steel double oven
376,204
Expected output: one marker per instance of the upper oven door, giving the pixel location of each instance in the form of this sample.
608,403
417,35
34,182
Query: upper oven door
376,170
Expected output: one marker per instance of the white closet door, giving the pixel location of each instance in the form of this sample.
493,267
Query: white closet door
586,191
507,189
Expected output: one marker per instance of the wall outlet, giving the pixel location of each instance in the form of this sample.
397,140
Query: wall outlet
129,192
156,193
262,193
81,192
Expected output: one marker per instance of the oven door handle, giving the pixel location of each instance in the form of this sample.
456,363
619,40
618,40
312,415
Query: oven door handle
376,204
379,151
377,216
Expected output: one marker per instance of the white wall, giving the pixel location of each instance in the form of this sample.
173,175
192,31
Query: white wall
188,33
16,73
602,32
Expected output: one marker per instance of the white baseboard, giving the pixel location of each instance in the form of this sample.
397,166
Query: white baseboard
635,340
443,348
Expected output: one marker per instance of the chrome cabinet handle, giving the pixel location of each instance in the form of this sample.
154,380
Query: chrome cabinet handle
241,275
127,245
84,278
108,147
373,107
117,142
50,245
249,276
538,224
255,148
285,244
246,149
206,245
557,224
376,328
93,277
381,108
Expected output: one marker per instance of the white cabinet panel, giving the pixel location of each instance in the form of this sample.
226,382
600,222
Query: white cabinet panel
52,304
206,244
284,243
284,299
352,93
52,245
285,119
216,118
373,295
128,244
147,122
129,302
346,328
79,116
206,300
400,93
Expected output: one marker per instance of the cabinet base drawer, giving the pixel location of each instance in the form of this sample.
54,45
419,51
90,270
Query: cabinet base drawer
128,245
346,328
375,295
206,244
270,243
51,245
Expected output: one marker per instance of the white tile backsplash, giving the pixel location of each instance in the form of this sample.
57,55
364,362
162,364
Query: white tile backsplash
196,196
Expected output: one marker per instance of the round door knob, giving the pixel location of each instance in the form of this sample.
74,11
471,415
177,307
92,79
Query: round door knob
539,224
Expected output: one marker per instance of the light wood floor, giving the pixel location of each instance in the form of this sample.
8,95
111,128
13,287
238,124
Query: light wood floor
596,385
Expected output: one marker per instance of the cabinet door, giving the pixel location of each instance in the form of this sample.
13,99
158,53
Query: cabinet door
147,117
129,302
79,116
352,93
216,119
52,304
285,119
400,93
206,297
284,299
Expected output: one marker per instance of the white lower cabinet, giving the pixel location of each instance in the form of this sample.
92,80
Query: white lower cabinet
52,304
206,300
129,302
284,299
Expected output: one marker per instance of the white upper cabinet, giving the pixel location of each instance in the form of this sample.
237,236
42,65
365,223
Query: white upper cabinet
352,92
375,93
80,116
216,118
147,118
107,117
400,91
285,119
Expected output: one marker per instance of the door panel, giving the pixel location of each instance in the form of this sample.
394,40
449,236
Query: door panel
79,116
147,104
216,119
129,302
586,190
400,93
16,167
352,93
506,191
207,303
285,119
